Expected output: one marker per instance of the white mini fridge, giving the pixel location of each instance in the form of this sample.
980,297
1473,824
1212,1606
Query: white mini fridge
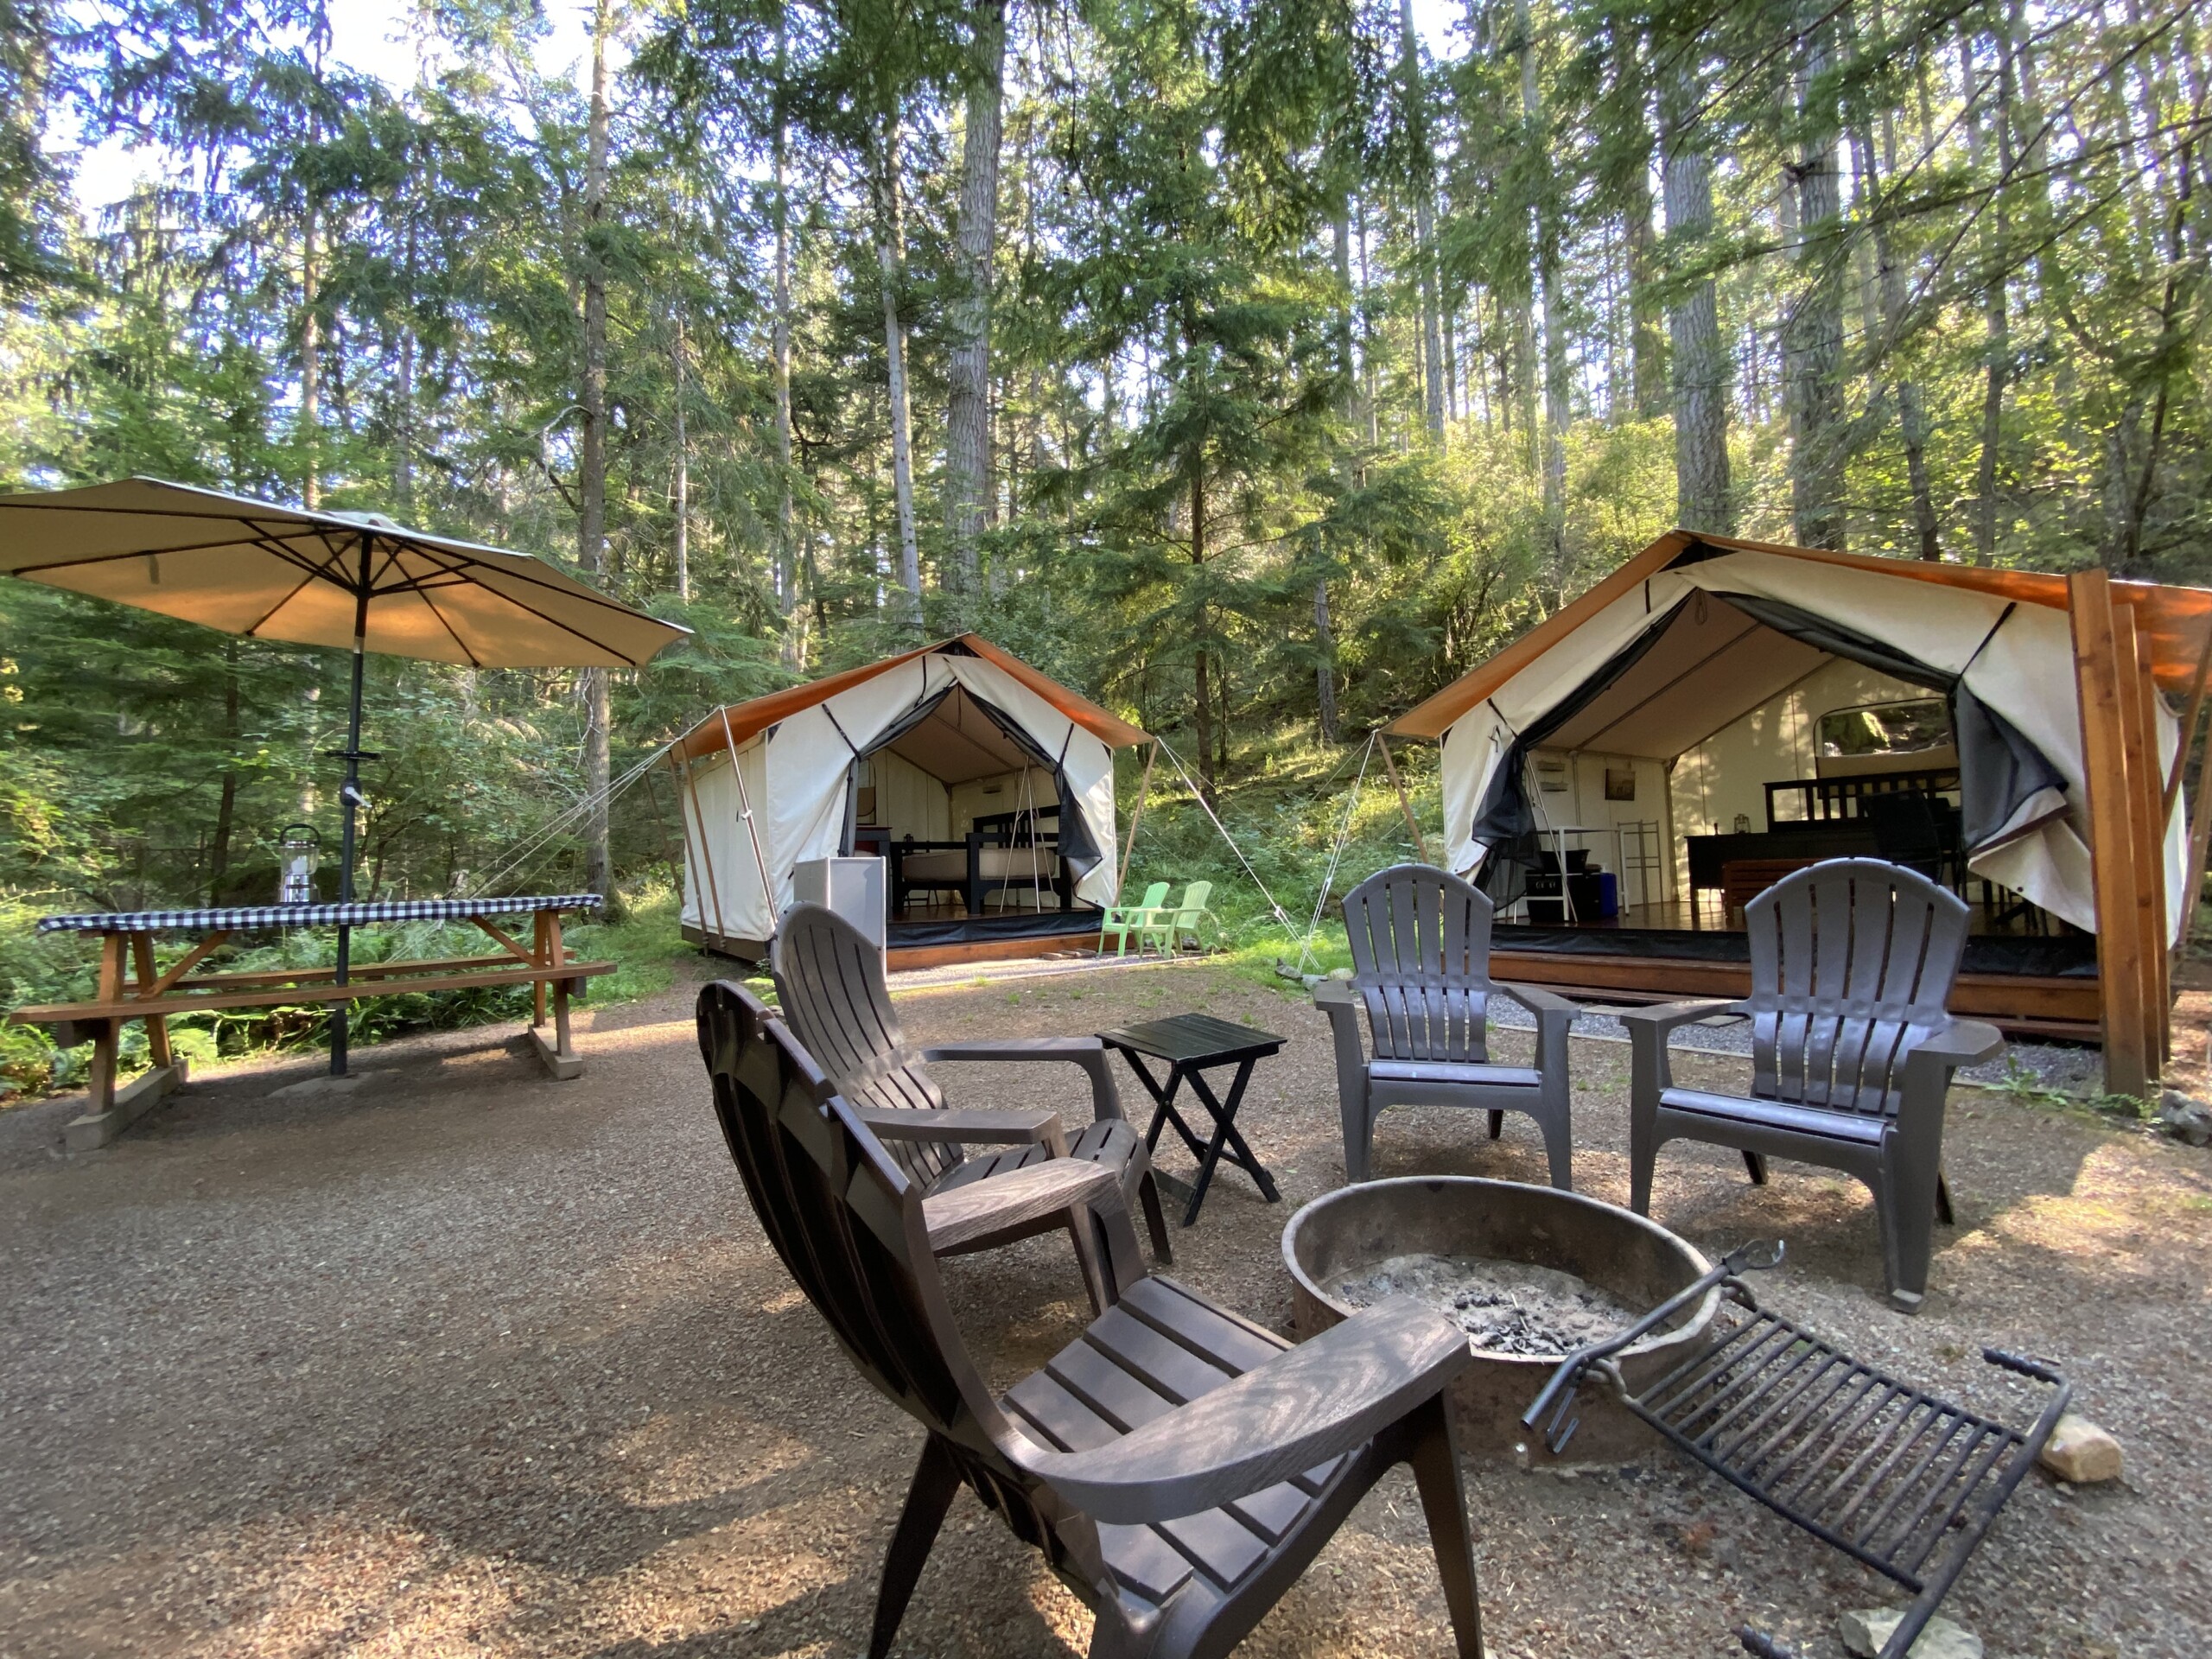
852,888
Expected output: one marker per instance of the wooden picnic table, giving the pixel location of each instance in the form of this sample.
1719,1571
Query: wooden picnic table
131,988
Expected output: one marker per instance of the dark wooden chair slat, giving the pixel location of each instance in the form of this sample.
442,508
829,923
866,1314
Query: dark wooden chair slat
830,982
847,1220
1852,1048
1419,943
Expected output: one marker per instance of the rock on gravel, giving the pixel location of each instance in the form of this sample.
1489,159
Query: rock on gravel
2185,1118
1863,1633
2079,1452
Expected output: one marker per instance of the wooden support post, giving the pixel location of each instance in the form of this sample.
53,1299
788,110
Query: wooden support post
109,1110
157,1025
2104,756
538,956
1136,816
2200,842
2189,721
559,1057
1405,806
2148,784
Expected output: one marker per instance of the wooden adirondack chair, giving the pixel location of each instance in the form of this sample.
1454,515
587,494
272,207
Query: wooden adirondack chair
1178,1466
829,981
1121,920
1852,1050
1420,968
1170,923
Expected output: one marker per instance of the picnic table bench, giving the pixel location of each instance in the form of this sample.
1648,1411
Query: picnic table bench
131,988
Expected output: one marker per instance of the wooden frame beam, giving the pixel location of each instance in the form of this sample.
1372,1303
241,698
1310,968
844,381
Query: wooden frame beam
2105,706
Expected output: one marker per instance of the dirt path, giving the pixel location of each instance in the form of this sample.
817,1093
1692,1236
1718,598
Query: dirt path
467,1363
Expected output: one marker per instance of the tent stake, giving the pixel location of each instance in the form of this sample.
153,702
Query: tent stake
1405,806
1136,815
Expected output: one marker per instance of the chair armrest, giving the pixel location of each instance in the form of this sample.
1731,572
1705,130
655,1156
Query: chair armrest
1335,998
1929,1065
1018,1195
1538,1001
1650,1068
1310,1403
1088,1052
1029,1126
1663,1017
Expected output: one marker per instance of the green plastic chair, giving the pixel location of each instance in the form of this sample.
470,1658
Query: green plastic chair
1121,920
1172,924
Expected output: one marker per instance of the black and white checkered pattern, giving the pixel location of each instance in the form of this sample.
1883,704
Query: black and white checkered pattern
239,919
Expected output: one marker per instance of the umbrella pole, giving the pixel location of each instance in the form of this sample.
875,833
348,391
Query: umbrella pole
349,796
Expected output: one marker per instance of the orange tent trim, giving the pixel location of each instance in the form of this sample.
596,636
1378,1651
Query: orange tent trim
2174,620
740,722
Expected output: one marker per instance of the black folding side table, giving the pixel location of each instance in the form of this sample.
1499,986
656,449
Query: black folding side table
1193,1043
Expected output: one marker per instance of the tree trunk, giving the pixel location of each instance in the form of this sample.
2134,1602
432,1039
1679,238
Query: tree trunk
1424,223
1997,344
1813,335
1325,639
683,491
1912,413
310,361
1201,690
890,260
1699,365
968,416
787,562
403,471
1647,340
1556,409
591,479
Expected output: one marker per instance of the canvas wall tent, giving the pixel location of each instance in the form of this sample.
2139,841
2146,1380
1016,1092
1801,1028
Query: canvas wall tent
1696,632
924,744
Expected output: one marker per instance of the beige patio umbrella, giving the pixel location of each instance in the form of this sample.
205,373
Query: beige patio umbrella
355,581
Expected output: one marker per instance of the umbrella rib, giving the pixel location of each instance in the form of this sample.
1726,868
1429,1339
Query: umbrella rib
143,552
600,644
290,595
431,605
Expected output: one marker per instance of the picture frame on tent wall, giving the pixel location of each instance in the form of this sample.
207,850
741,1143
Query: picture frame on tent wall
1620,783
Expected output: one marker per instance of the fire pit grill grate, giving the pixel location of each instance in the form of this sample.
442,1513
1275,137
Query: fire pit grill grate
1871,1465
1889,1474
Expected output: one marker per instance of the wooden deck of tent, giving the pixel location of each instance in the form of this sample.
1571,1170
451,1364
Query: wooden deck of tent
2131,643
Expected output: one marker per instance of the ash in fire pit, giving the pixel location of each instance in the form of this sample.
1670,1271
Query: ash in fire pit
1507,1307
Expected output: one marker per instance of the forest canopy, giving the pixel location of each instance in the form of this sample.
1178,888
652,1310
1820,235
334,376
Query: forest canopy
1256,367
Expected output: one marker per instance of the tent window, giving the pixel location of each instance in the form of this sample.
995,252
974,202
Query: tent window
1880,729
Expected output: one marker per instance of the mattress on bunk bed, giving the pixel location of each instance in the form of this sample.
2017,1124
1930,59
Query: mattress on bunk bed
992,864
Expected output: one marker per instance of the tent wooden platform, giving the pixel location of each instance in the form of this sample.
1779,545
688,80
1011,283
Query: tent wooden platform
2036,1006
937,945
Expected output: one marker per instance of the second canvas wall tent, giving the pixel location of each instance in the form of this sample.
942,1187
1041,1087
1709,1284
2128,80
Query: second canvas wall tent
2068,700
989,787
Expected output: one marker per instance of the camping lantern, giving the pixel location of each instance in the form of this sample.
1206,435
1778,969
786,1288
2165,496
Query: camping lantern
296,850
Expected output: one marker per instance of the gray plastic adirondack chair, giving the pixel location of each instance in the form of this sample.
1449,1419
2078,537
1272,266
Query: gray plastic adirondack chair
1178,1466
829,981
1852,1050
1421,968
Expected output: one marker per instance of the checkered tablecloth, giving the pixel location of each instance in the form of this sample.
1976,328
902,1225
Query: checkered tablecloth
239,919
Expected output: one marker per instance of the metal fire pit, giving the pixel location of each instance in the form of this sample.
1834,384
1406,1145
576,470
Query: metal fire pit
1641,1264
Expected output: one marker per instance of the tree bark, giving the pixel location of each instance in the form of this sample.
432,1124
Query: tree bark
591,480
968,416
1699,365
1913,412
1647,340
683,491
310,360
1424,223
1996,326
1201,690
787,562
1813,334
1557,412
890,259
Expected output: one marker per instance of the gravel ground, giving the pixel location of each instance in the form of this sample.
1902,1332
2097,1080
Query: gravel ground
463,1361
